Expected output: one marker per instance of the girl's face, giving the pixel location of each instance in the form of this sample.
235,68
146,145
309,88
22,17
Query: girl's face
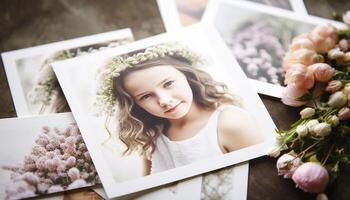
162,91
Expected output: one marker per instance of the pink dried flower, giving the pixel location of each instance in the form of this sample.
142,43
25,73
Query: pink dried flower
334,86
324,38
45,129
42,187
322,71
290,94
287,164
31,178
311,177
50,165
29,167
40,164
39,151
74,173
77,184
42,140
71,161
55,188
344,113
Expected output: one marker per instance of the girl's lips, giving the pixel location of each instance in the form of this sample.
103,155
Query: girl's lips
173,108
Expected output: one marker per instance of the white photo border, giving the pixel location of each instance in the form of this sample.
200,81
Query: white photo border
114,189
9,60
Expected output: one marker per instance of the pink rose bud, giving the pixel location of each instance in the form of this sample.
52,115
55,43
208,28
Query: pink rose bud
287,164
344,45
311,177
346,89
322,72
290,94
337,100
344,113
334,86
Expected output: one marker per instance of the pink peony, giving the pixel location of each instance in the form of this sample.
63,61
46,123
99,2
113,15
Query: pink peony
302,42
300,76
300,56
290,94
322,72
287,164
324,38
311,177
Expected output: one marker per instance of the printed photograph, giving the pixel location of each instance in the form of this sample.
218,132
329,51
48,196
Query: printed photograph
164,108
329,9
258,37
48,156
34,87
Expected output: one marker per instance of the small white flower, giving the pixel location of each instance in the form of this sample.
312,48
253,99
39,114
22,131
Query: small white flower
321,196
335,53
322,129
334,120
302,130
346,17
337,99
273,152
310,124
307,113
346,89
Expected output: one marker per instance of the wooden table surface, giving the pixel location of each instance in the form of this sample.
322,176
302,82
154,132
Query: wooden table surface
30,23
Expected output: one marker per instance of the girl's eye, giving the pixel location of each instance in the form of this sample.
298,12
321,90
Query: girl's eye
144,97
168,84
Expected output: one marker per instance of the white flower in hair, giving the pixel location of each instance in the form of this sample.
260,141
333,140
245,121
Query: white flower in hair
105,101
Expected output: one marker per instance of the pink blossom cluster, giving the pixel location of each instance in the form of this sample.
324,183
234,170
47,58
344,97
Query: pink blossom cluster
309,176
59,161
304,62
259,51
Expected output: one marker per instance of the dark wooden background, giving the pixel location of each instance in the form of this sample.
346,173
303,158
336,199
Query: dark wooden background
26,23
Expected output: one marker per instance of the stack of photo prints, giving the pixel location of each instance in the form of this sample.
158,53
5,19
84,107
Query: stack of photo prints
166,117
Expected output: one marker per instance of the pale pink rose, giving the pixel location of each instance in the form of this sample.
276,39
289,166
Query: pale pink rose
344,45
334,86
302,42
300,56
322,72
287,164
290,94
344,113
300,76
324,37
311,177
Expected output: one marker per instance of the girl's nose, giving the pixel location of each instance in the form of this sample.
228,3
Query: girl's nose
164,99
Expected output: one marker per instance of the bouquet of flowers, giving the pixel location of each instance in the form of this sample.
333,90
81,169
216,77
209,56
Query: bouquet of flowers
317,75
59,161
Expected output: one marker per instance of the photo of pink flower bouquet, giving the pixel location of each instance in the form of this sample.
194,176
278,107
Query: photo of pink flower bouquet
58,161
317,75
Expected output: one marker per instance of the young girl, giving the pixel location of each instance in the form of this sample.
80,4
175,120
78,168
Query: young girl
172,112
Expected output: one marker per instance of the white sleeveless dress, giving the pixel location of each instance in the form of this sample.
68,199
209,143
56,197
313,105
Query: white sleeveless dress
170,154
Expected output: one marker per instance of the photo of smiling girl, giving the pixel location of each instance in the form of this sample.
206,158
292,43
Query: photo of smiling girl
169,110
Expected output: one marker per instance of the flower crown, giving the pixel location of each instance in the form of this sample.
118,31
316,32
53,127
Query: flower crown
105,100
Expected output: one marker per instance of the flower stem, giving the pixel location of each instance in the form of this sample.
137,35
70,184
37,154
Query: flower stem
328,154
